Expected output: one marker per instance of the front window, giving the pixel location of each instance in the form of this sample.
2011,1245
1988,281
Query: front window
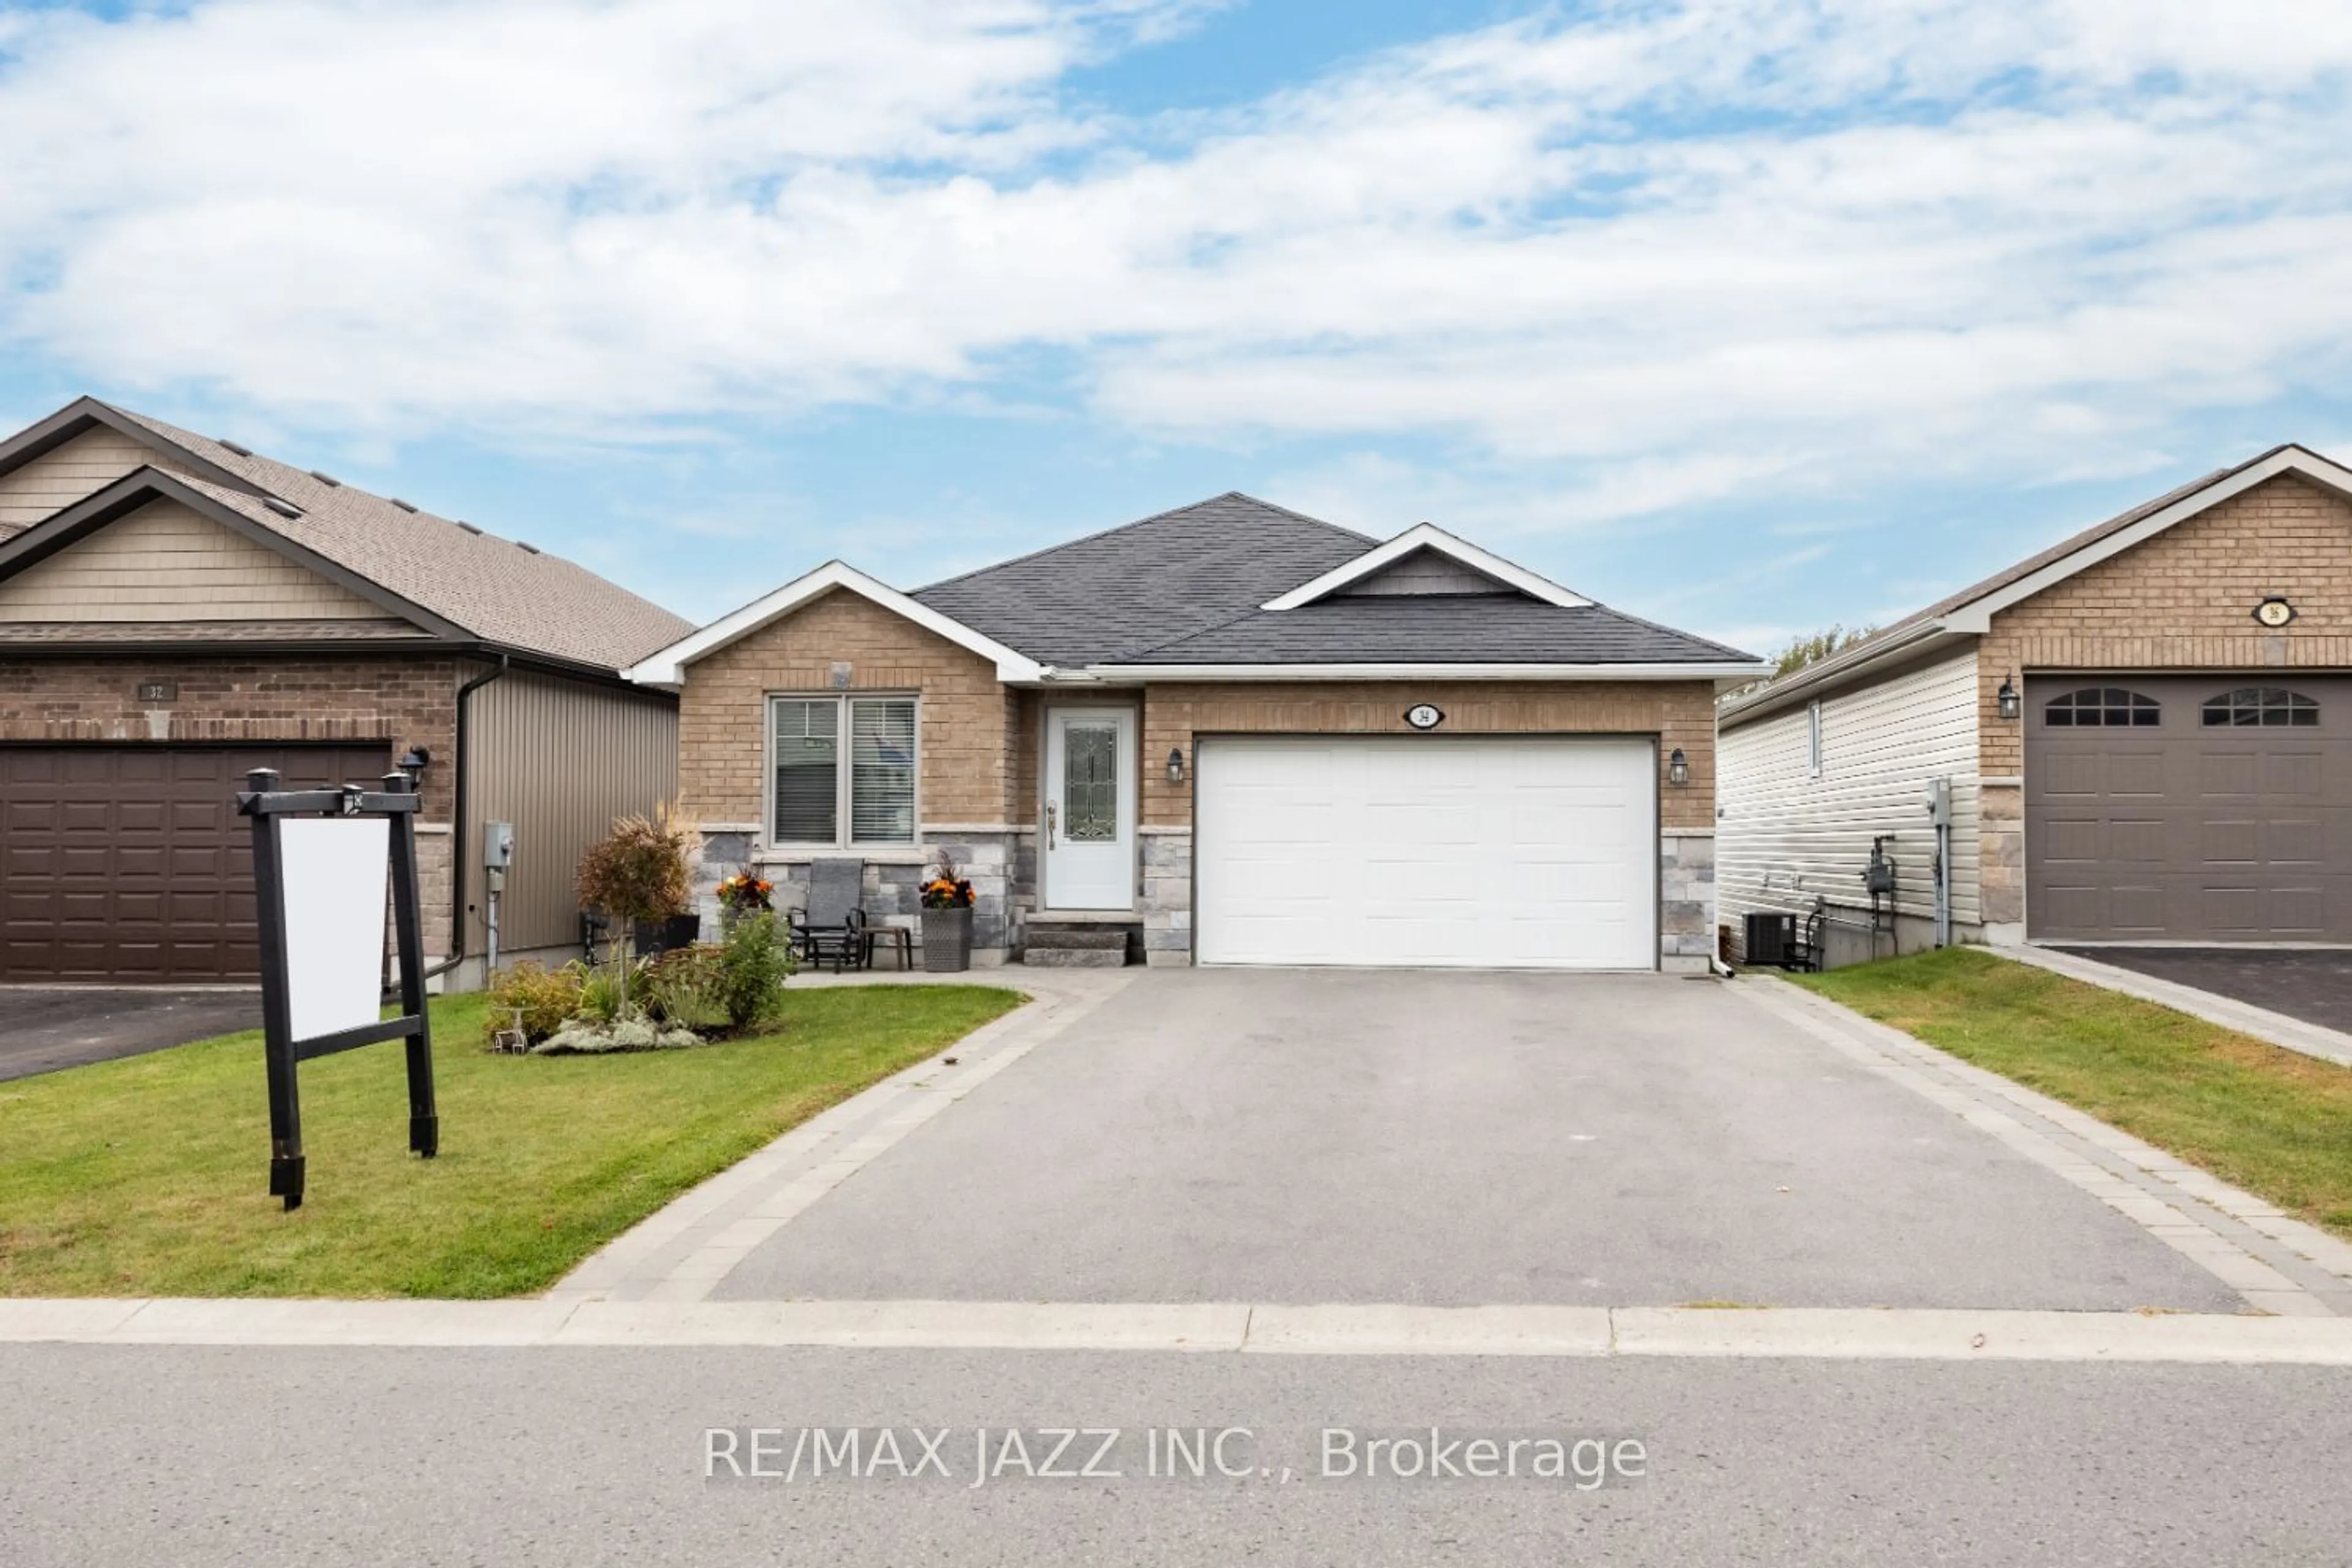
828,793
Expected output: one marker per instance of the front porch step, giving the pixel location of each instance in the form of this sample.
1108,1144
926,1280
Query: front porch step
1075,957
1076,945
1076,936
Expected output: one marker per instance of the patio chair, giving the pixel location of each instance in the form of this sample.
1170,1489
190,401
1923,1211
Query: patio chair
831,926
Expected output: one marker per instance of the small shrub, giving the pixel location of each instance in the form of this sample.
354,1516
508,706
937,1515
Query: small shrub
753,964
544,996
685,986
638,871
601,992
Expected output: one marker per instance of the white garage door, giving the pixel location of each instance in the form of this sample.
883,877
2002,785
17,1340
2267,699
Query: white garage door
1536,852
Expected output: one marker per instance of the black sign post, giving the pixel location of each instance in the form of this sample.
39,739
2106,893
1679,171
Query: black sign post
270,808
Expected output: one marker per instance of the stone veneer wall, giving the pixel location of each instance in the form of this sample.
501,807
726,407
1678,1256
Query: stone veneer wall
992,861
1685,898
1168,896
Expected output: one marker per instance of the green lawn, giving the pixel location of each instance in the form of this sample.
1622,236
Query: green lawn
2269,1121
148,1176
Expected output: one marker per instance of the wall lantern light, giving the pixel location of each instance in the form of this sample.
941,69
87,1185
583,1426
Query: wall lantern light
1677,768
2007,698
1175,765
414,761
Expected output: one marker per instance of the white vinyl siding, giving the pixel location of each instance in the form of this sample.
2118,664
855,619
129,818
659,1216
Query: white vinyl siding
811,773
1787,835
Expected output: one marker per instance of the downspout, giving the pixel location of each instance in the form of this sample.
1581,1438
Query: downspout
458,824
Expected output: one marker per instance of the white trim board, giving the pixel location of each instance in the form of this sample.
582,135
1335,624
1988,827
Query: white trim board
1149,672
667,667
1429,536
1977,615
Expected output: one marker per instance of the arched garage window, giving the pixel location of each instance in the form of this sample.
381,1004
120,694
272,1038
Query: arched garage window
2107,707
2266,706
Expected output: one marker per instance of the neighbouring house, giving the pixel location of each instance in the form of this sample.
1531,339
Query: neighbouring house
175,611
1228,733
2146,732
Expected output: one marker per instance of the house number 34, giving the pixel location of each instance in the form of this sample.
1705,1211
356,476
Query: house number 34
1424,716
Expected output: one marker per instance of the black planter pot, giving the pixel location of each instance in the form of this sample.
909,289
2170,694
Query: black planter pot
947,940
660,936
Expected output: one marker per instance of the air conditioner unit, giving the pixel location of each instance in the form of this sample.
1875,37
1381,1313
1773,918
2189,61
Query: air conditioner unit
1771,935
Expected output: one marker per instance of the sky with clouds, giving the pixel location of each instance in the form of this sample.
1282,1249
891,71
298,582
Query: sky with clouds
1748,315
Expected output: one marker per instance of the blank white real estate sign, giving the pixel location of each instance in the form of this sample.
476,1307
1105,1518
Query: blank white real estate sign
1538,852
335,873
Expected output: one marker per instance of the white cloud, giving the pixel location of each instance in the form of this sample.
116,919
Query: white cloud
1675,247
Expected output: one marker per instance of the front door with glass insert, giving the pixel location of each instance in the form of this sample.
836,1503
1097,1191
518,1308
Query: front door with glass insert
1089,826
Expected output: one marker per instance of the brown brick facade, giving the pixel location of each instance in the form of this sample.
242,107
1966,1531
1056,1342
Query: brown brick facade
1680,713
2185,600
2181,600
970,728
980,741
404,702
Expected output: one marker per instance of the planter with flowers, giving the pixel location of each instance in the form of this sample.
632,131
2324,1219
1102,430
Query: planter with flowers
744,894
946,918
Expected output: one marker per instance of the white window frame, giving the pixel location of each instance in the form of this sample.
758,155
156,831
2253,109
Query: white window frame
1814,740
845,813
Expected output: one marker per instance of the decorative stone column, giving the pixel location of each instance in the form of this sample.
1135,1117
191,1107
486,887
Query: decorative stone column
2001,850
1167,896
1686,899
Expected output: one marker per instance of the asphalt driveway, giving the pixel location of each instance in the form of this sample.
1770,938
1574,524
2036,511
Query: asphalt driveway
2314,985
1457,1139
43,1028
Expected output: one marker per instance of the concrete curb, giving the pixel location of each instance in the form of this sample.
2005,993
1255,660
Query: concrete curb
1666,1332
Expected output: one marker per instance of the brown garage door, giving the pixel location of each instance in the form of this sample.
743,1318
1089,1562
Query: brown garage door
2176,808
130,863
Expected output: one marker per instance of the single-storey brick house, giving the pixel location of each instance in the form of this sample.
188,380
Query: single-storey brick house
1234,734
176,610
2146,732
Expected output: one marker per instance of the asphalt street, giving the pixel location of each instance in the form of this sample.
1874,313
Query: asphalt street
262,1457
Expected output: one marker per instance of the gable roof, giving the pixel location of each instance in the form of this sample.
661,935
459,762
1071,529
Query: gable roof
1186,592
1970,611
666,667
465,583
1429,537
1145,582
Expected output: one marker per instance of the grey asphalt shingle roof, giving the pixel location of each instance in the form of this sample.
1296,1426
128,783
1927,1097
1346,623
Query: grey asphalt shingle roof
491,587
1185,587
1453,628
1147,583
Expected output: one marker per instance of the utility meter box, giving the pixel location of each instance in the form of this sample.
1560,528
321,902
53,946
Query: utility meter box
497,844
1939,802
